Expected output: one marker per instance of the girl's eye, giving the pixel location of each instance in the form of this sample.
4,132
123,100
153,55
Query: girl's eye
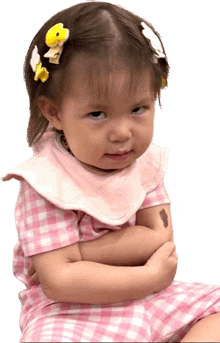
139,110
97,115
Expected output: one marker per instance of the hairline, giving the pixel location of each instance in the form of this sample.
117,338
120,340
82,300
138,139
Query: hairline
94,73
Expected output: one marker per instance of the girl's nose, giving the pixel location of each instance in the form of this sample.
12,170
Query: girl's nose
120,132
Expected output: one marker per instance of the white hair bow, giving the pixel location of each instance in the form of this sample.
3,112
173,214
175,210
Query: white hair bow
154,42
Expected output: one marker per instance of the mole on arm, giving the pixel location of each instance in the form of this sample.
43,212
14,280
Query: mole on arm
164,217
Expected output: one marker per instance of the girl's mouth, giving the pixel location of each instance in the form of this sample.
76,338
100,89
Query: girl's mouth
119,157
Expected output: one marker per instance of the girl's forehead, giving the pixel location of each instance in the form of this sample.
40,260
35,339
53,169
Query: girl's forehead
103,81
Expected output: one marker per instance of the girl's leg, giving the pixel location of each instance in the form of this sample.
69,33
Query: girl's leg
174,312
205,330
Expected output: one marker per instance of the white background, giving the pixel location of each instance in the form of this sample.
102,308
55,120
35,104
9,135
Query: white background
188,123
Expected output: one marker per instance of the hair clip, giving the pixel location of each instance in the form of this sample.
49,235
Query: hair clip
36,65
163,82
154,42
55,38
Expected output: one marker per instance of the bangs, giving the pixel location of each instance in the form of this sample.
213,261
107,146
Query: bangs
112,75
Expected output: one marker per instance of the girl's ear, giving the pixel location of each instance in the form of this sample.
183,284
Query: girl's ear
51,111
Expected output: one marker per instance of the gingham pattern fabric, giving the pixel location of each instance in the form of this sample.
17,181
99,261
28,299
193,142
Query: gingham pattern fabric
162,317
157,197
43,227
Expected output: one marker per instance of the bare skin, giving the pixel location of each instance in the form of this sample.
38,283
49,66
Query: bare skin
205,330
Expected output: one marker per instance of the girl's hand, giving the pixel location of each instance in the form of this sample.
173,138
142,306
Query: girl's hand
163,264
34,280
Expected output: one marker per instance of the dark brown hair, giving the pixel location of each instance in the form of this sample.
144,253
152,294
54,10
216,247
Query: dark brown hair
98,30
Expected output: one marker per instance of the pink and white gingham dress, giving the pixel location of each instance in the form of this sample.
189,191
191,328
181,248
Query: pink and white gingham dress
48,218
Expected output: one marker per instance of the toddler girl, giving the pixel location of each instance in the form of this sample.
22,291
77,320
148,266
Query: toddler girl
92,214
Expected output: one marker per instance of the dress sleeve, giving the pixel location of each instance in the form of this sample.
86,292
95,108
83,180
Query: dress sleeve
42,226
156,197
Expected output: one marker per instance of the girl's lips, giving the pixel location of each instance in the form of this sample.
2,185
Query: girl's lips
119,157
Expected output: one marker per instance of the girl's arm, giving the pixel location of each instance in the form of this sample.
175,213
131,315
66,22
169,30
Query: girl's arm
134,245
64,277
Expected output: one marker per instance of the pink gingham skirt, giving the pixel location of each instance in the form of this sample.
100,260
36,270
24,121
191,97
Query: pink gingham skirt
161,317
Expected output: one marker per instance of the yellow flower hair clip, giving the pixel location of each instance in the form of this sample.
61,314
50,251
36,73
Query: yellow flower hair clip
36,65
55,38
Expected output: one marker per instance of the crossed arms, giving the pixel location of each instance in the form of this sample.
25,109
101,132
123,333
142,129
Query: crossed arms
127,264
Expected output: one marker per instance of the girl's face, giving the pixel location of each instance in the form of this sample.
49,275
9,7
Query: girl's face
107,127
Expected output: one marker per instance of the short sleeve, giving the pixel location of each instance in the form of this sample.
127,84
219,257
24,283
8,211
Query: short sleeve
42,226
156,197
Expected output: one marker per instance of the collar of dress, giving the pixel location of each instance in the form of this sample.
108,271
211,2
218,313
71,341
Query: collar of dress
111,198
